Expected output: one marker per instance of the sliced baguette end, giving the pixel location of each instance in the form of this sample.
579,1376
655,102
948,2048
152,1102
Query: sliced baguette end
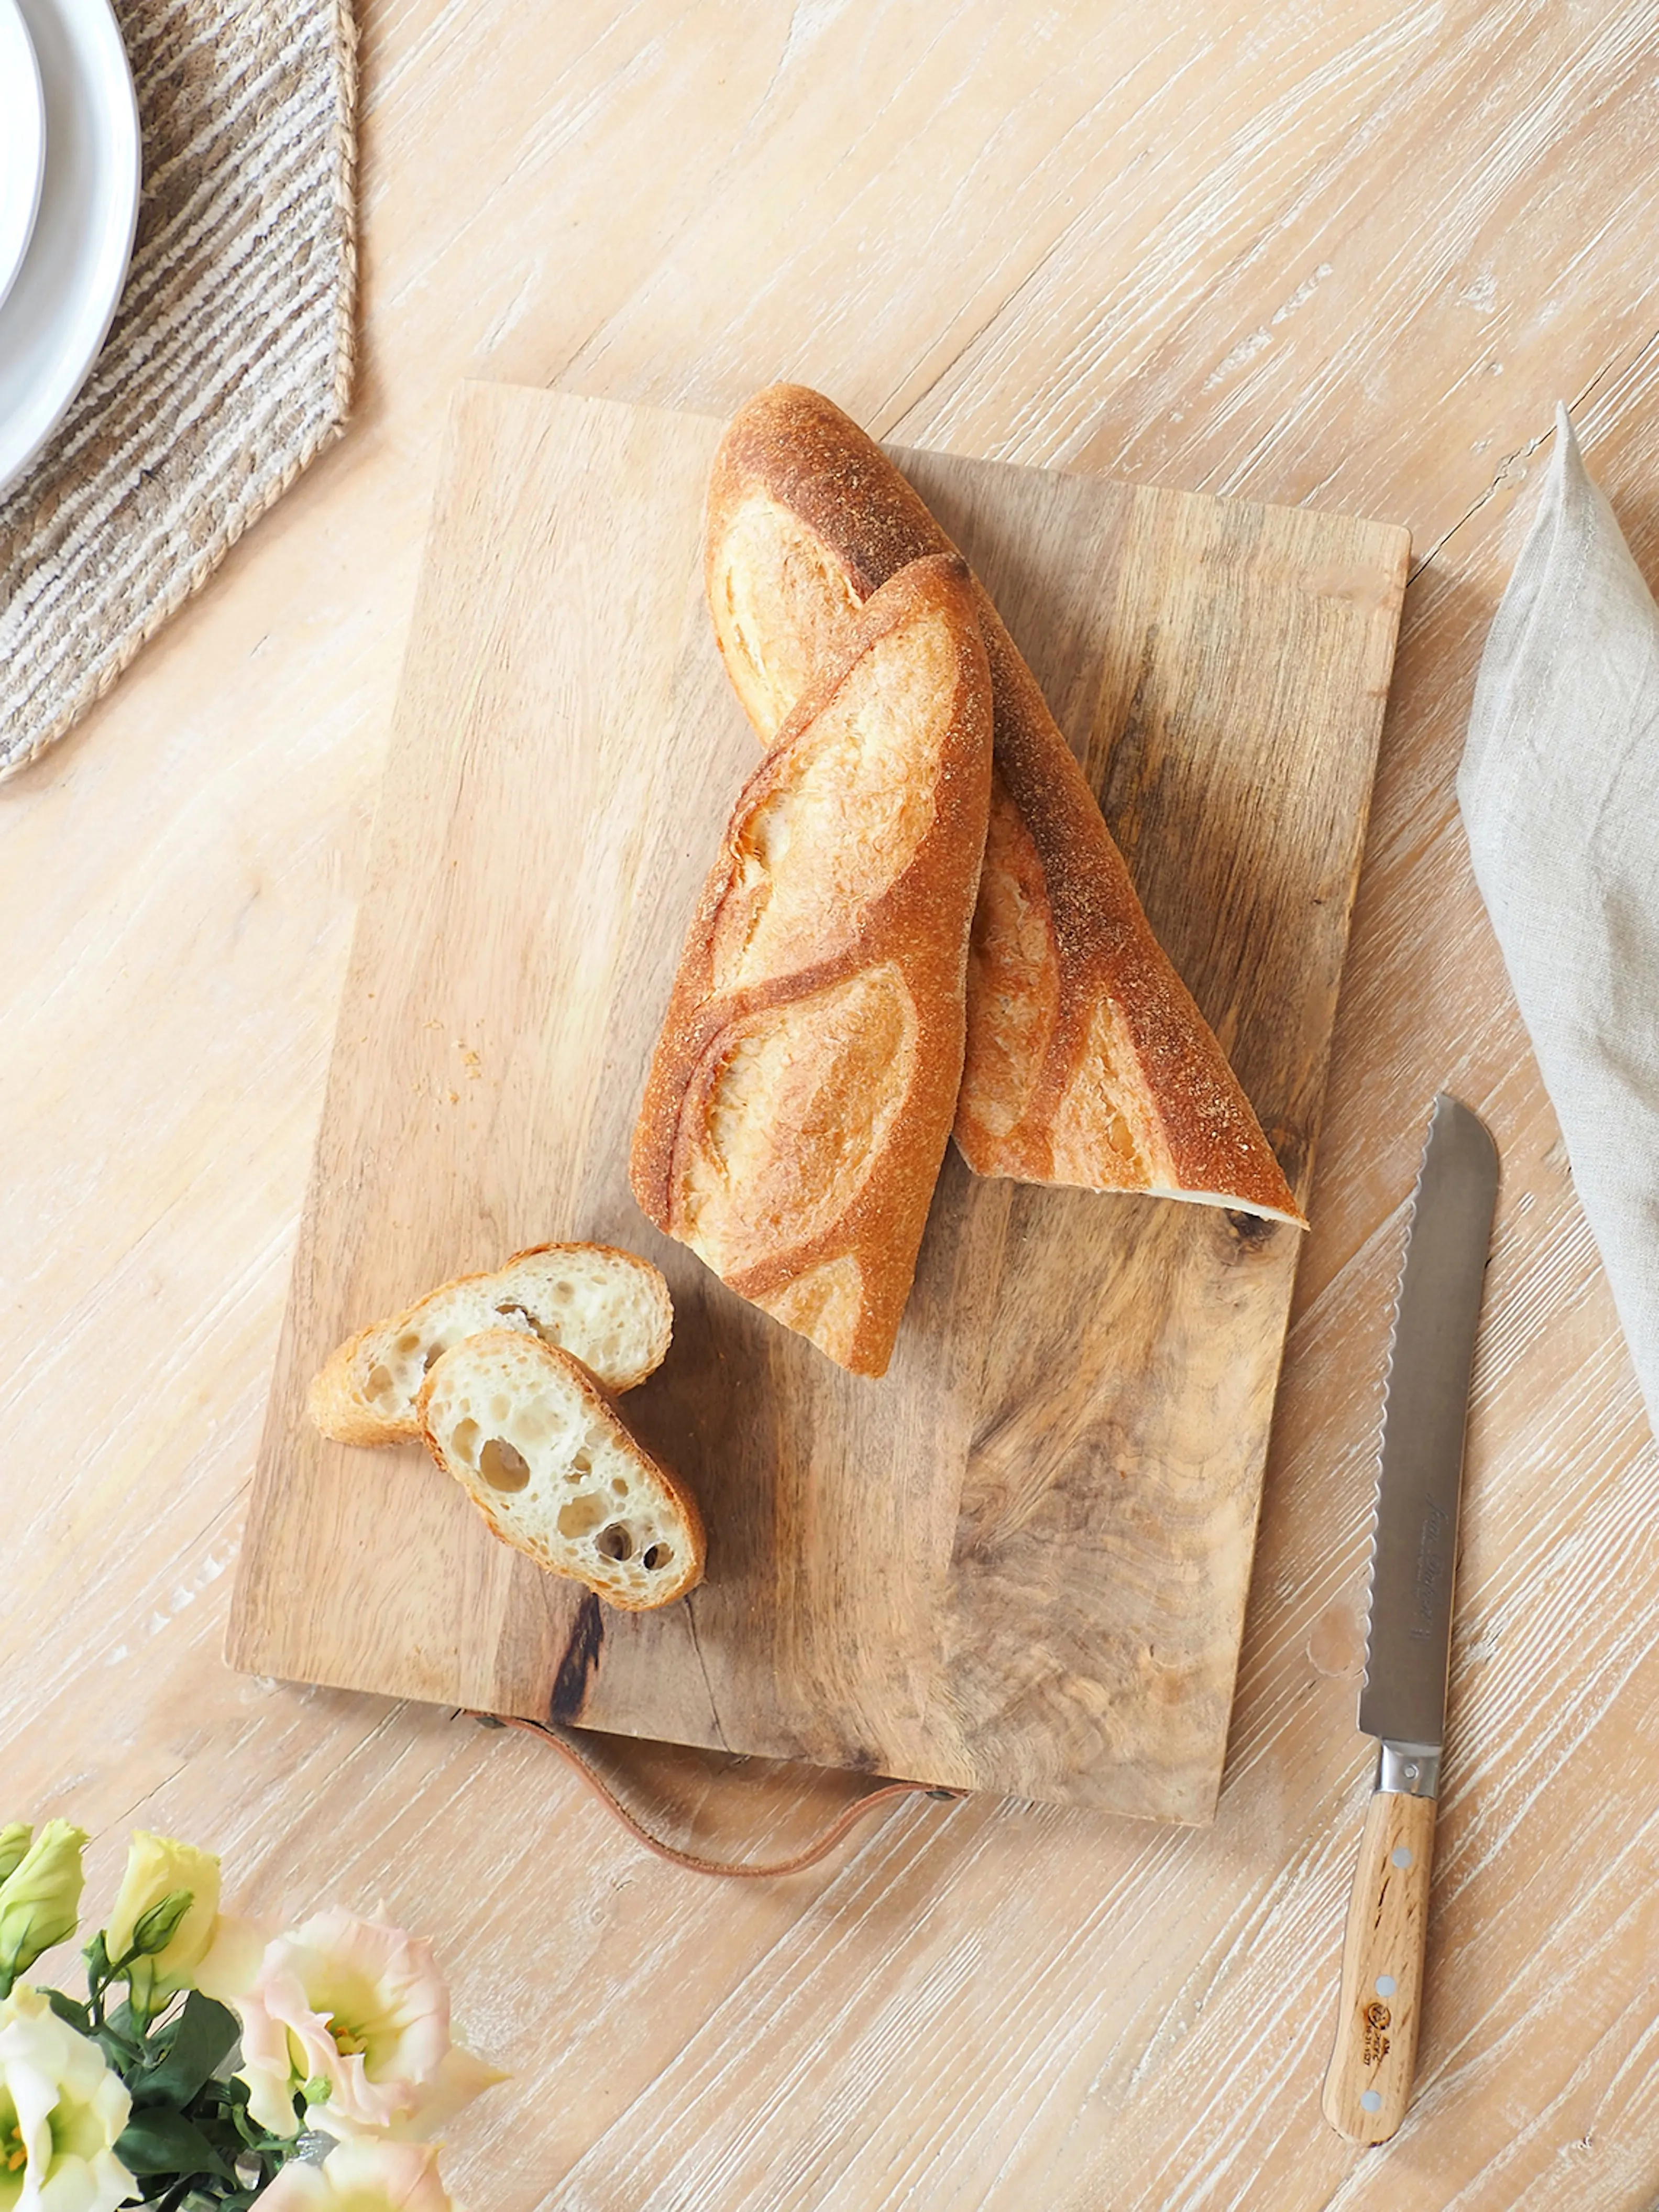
608,1307
546,1458
335,1399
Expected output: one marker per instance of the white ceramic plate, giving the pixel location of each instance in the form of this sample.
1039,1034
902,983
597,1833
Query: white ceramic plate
22,142
53,320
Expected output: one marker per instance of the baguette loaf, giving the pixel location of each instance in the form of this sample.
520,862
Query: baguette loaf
547,1460
801,1095
1087,1062
607,1307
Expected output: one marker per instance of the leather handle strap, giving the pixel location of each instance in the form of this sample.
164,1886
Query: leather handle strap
738,1870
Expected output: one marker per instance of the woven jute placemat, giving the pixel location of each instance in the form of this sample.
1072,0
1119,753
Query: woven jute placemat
229,366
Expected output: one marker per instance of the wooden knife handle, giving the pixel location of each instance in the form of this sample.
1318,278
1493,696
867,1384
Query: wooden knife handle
1368,2084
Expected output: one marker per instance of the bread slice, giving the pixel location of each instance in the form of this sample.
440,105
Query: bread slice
547,1461
609,1307
800,1098
1087,1062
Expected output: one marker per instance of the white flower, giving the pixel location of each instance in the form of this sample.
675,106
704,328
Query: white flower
61,2110
363,2177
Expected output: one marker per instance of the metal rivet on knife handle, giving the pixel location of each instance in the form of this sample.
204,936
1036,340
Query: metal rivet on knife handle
1414,1556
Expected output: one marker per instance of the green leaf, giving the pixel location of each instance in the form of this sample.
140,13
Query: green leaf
192,2194
124,2056
226,2143
97,1959
76,2015
195,2044
160,2141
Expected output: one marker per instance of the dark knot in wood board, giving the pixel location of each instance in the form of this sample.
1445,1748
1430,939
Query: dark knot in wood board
579,1663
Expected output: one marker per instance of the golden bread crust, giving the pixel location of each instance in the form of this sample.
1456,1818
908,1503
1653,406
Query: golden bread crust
336,1405
803,1088
1087,1062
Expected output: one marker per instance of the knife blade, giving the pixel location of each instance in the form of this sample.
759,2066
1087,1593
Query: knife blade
1402,1702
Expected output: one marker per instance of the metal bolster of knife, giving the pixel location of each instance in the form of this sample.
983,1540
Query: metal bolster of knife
1409,1770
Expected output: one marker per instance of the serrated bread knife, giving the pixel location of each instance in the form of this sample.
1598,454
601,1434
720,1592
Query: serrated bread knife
1408,1647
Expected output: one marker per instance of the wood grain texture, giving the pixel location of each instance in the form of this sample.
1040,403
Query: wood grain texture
1020,1562
1392,237
1379,2008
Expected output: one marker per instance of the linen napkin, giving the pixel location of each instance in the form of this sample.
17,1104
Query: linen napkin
1559,792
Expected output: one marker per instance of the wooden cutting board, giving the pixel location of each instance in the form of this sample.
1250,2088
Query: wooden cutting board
1018,1562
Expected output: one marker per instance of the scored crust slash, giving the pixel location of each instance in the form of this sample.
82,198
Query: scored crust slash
897,936
802,1092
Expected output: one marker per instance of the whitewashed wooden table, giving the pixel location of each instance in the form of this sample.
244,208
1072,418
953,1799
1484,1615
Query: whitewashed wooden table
1348,257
